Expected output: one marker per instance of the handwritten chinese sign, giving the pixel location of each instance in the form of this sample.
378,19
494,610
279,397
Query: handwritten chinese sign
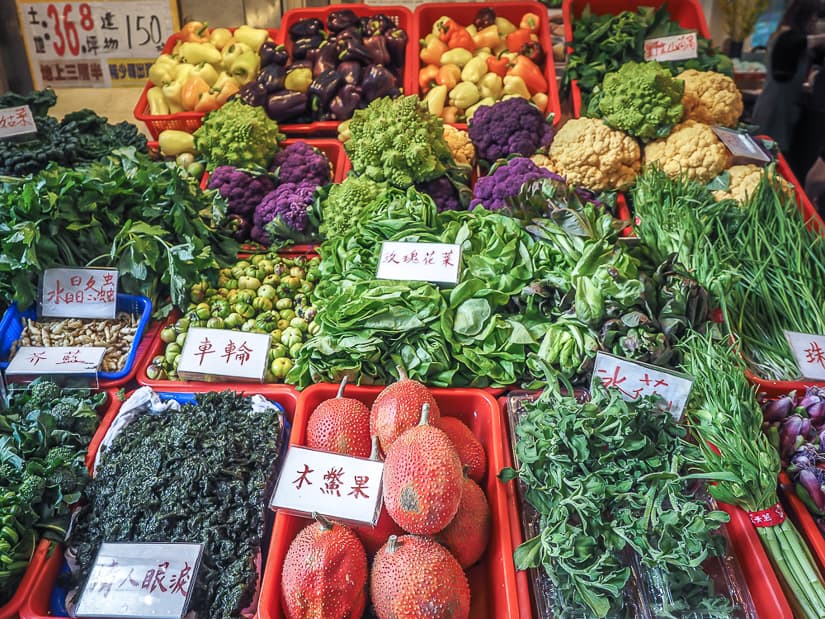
55,361
78,293
425,262
141,580
330,484
16,121
635,380
742,147
102,43
809,352
211,353
676,47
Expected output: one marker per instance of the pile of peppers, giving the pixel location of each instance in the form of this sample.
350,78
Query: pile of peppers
329,70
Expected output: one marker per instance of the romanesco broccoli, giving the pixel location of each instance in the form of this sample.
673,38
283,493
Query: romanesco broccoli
344,203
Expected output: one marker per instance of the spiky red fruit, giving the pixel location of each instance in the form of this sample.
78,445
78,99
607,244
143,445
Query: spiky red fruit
340,425
398,408
469,532
470,450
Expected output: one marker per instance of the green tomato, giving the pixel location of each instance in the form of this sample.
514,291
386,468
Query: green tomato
295,349
269,377
180,339
262,304
273,279
275,335
203,311
245,296
159,360
239,268
268,291
182,325
248,325
299,323
216,322
297,272
155,372
244,309
280,367
257,259
168,334
291,336
198,291
247,282
287,314
283,304
170,355
283,324
267,267
278,350
313,328
231,284
220,308
233,321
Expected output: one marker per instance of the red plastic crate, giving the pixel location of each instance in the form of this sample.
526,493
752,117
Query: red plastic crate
803,520
402,17
688,13
493,579
182,121
763,585
463,13
37,600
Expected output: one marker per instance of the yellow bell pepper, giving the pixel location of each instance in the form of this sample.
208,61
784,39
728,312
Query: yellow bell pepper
182,72
458,56
487,37
253,37
464,95
231,52
196,53
468,114
472,30
505,26
173,143
245,67
474,70
157,102
171,92
220,37
490,86
298,79
514,85
162,69
207,72
483,52
435,99
174,108
540,101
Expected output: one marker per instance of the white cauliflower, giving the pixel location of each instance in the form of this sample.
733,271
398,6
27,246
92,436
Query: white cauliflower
711,98
691,150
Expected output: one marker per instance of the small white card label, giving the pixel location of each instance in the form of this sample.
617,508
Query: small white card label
677,47
425,262
52,360
635,380
741,146
16,120
141,580
211,353
334,485
78,293
809,352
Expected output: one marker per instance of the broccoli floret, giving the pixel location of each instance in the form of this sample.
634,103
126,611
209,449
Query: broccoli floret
42,395
641,98
9,475
493,191
242,190
510,127
61,456
31,490
398,141
239,135
301,163
283,212
345,202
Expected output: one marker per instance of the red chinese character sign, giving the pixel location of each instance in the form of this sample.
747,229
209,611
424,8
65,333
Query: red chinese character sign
101,43
16,121
78,293
635,380
809,352
32,361
212,354
677,47
141,580
341,487
425,262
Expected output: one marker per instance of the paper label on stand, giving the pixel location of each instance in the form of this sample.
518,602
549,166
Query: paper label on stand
141,580
741,146
16,121
48,360
78,293
333,485
809,352
209,353
425,262
677,47
635,380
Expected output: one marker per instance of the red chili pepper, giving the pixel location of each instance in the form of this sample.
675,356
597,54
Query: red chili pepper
527,70
518,38
497,65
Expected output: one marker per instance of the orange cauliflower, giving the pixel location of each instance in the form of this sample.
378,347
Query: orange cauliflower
460,145
744,181
691,150
711,98
590,154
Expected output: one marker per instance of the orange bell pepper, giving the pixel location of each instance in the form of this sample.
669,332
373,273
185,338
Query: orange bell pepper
527,70
432,50
449,75
518,38
427,77
449,114
192,89
195,32
530,21
497,65
207,102
454,34
226,91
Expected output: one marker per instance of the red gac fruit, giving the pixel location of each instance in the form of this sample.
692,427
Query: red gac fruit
340,425
398,408
470,450
468,534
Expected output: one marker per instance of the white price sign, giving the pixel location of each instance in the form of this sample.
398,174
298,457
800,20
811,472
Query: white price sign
635,380
78,293
677,47
55,360
426,262
15,121
211,353
141,580
341,487
101,43
741,146
809,352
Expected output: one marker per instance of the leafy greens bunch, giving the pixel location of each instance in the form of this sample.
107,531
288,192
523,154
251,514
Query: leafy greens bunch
153,485
43,439
608,477
145,218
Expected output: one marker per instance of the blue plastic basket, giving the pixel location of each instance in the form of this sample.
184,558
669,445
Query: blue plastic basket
11,327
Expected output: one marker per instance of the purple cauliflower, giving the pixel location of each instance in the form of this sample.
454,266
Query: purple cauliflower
493,190
242,190
443,193
299,162
510,127
283,212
